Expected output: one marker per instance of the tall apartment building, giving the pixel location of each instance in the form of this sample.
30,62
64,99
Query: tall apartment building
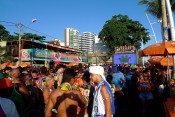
71,38
97,40
86,42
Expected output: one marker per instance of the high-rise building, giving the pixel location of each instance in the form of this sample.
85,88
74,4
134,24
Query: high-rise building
86,42
97,40
71,38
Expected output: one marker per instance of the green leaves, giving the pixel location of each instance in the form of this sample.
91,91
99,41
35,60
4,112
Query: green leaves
121,30
32,36
154,7
3,33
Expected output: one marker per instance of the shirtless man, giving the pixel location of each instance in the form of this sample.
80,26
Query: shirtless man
64,99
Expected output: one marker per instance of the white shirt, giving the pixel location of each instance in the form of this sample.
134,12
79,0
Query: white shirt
98,105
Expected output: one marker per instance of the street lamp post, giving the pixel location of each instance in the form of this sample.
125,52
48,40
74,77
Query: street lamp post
34,20
151,27
19,41
19,25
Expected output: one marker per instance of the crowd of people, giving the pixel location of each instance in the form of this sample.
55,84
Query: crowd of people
91,91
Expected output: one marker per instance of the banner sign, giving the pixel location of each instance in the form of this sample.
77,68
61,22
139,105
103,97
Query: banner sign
28,54
69,58
42,54
125,49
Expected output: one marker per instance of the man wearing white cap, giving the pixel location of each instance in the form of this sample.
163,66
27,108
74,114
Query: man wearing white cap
103,104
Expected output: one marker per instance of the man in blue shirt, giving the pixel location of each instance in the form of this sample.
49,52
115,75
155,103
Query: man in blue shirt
118,78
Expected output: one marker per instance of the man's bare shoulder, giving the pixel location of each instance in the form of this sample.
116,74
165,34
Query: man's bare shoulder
75,91
57,92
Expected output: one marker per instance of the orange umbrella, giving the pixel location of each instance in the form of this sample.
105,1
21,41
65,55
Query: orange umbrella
154,60
162,61
71,64
24,64
6,64
166,61
160,49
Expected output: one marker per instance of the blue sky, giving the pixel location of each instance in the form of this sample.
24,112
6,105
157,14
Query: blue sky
53,16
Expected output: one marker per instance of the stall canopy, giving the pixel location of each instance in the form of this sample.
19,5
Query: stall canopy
164,61
160,49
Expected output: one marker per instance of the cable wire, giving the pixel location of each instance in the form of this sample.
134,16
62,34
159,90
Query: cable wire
31,29
40,32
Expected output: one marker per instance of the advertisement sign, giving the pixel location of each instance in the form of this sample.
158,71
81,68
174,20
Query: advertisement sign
125,58
42,54
69,58
125,49
26,55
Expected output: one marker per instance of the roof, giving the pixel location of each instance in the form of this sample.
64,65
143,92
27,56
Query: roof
48,44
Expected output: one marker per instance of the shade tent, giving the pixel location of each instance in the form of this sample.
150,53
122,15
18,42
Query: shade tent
24,64
164,61
160,49
154,60
6,64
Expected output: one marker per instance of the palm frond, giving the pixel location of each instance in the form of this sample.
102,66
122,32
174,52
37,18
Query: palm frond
153,7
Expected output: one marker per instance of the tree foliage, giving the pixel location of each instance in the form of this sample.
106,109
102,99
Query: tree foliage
3,32
121,30
32,36
154,7
5,35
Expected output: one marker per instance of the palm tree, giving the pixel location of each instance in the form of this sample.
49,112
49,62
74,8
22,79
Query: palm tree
154,7
157,9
